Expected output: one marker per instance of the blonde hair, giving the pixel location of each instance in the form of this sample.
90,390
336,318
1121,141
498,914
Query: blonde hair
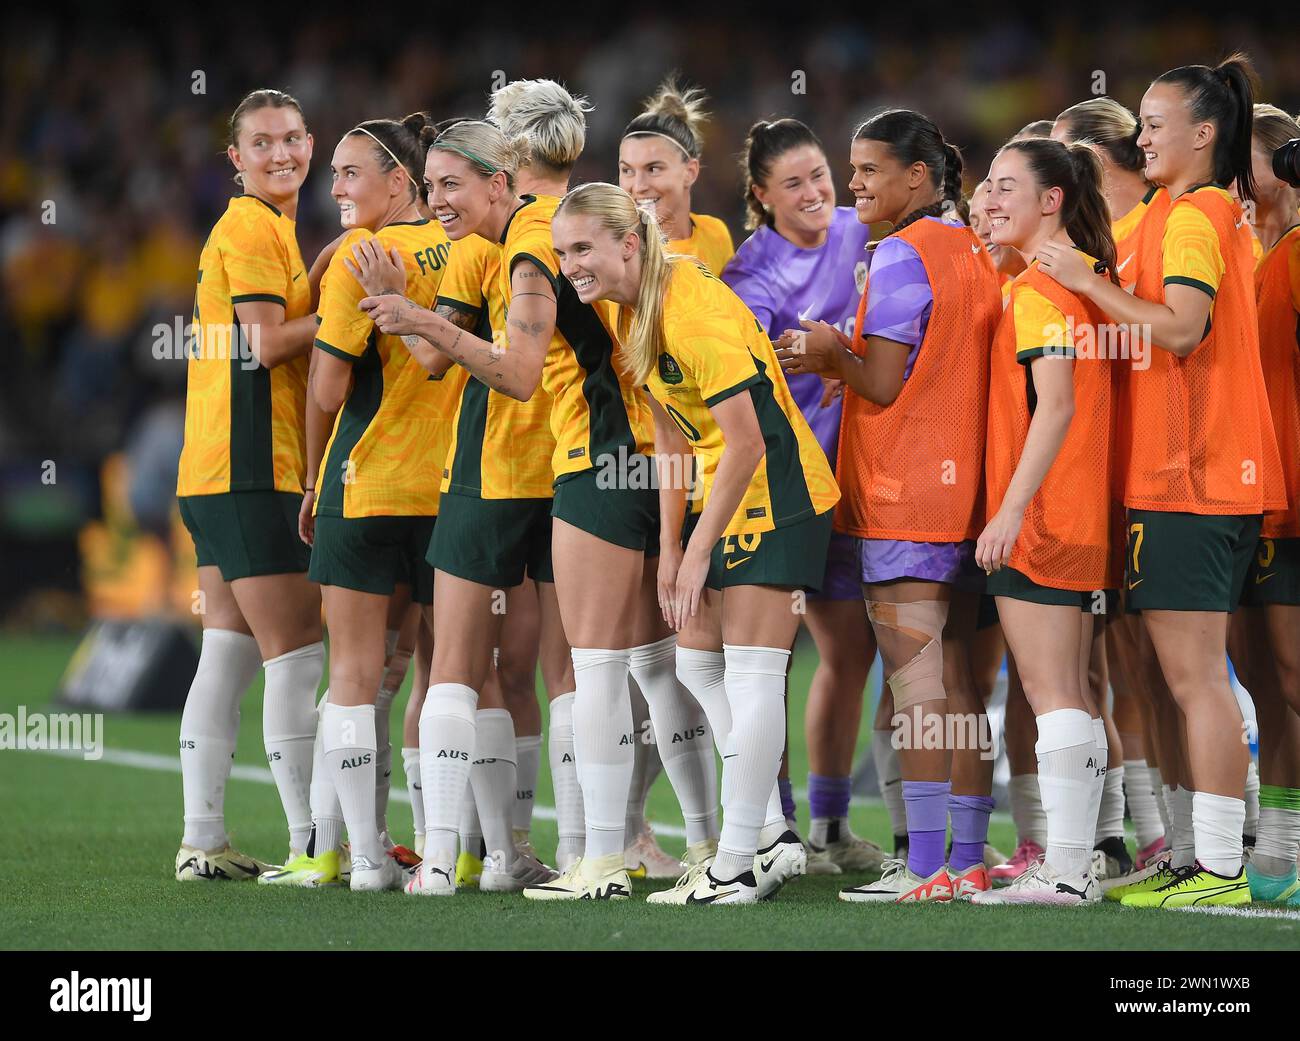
548,117
1106,123
1273,128
486,148
641,332
674,112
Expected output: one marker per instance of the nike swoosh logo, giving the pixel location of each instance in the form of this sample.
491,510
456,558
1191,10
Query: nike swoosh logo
737,563
767,865
1264,578
732,756
693,899
1134,585
297,276
1120,269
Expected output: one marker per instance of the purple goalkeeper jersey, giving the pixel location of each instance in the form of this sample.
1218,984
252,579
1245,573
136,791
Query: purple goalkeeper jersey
782,283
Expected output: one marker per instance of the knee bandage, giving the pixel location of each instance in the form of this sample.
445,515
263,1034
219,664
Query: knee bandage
921,679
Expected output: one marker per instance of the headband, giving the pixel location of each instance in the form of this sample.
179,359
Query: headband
400,165
483,164
666,137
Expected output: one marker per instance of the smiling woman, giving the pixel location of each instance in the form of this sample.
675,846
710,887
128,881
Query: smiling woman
242,472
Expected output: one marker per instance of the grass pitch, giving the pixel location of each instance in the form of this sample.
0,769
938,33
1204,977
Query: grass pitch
89,849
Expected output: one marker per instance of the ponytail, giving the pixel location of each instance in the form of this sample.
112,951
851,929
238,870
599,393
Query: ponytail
1225,96
953,201
1076,169
765,143
640,333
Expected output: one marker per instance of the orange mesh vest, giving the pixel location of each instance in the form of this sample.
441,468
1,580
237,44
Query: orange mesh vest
1065,540
1201,440
912,470
1279,352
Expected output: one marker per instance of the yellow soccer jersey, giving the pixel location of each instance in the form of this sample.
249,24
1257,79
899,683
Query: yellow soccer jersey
501,448
710,242
1193,255
390,439
244,424
1041,328
715,348
597,412
1124,227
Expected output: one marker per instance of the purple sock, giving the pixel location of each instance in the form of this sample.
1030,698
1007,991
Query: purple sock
787,797
970,829
926,803
828,797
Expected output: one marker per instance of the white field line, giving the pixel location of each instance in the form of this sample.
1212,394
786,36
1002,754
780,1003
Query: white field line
1247,912
261,775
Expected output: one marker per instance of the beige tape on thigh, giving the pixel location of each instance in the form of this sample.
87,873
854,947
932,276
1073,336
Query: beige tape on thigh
921,679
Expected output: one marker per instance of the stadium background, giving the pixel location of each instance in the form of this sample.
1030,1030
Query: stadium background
112,170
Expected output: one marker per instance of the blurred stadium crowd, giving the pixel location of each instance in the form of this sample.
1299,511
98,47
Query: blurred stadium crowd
112,169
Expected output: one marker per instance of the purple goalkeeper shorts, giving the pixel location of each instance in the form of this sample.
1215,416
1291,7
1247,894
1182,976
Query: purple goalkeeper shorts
842,581
885,560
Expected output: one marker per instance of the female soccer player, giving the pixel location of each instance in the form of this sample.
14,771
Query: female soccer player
1273,585
1112,130
1202,462
605,510
658,162
911,464
806,259
768,491
1047,541
378,493
240,480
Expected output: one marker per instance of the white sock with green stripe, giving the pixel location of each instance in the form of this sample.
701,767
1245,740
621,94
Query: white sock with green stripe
1278,839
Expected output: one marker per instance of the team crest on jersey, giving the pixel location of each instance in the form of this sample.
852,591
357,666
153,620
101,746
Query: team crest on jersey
860,275
669,370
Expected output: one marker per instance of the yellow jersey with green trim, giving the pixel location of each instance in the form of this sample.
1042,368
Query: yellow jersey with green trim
710,241
715,348
390,439
244,423
501,448
597,412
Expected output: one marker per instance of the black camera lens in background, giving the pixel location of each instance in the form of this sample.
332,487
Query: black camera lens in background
1286,163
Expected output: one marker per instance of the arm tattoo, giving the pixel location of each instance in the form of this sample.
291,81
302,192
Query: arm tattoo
456,316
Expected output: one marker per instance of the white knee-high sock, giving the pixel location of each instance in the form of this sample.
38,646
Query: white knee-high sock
1099,768
570,819
1067,777
704,674
326,813
890,778
228,661
603,739
446,752
1027,809
349,742
756,693
493,778
289,732
411,767
528,763
1110,819
643,753
397,660
1217,821
471,831
1139,794
682,733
